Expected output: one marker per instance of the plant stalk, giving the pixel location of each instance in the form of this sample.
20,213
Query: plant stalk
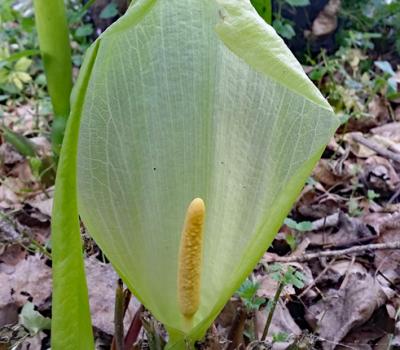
272,310
235,335
52,28
134,329
118,340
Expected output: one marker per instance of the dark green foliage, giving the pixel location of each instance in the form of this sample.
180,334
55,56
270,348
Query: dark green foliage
248,293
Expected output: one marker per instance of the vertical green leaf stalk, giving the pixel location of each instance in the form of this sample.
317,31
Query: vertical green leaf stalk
52,28
71,324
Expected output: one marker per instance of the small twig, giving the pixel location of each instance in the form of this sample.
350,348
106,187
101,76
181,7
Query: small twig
272,310
118,340
18,233
343,285
328,221
316,279
338,252
377,148
255,325
394,196
134,329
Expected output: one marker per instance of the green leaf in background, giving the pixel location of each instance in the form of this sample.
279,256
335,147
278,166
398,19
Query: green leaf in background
385,66
18,55
264,9
284,28
299,226
84,30
32,320
111,10
183,100
22,64
298,3
248,289
21,143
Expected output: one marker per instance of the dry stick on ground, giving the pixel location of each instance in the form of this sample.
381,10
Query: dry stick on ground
377,148
316,279
339,252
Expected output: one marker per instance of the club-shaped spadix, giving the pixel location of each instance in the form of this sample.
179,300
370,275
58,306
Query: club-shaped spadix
186,99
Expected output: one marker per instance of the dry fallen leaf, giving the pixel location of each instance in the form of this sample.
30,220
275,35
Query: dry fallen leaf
378,109
30,278
388,262
344,308
326,21
331,173
358,149
9,155
364,336
350,230
11,193
42,203
102,281
389,130
282,322
378,174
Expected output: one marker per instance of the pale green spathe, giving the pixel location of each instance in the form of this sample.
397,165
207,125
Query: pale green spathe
196,98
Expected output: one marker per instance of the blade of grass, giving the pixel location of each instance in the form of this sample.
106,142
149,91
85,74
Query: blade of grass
16,56
22,144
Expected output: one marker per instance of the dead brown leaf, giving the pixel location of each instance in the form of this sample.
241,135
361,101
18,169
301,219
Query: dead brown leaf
11,193
364,336
331,173
358,149
342,309
326,21
388,262
378,109
102,281
282,322
378,174
389,130
350,230
30,278
9,155
268,287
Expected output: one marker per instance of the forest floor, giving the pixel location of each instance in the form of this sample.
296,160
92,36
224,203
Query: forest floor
335,262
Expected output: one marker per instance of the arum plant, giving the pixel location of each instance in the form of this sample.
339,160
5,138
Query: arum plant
193,129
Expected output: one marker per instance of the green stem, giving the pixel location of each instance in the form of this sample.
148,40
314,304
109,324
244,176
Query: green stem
118,340
86,7
272,310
